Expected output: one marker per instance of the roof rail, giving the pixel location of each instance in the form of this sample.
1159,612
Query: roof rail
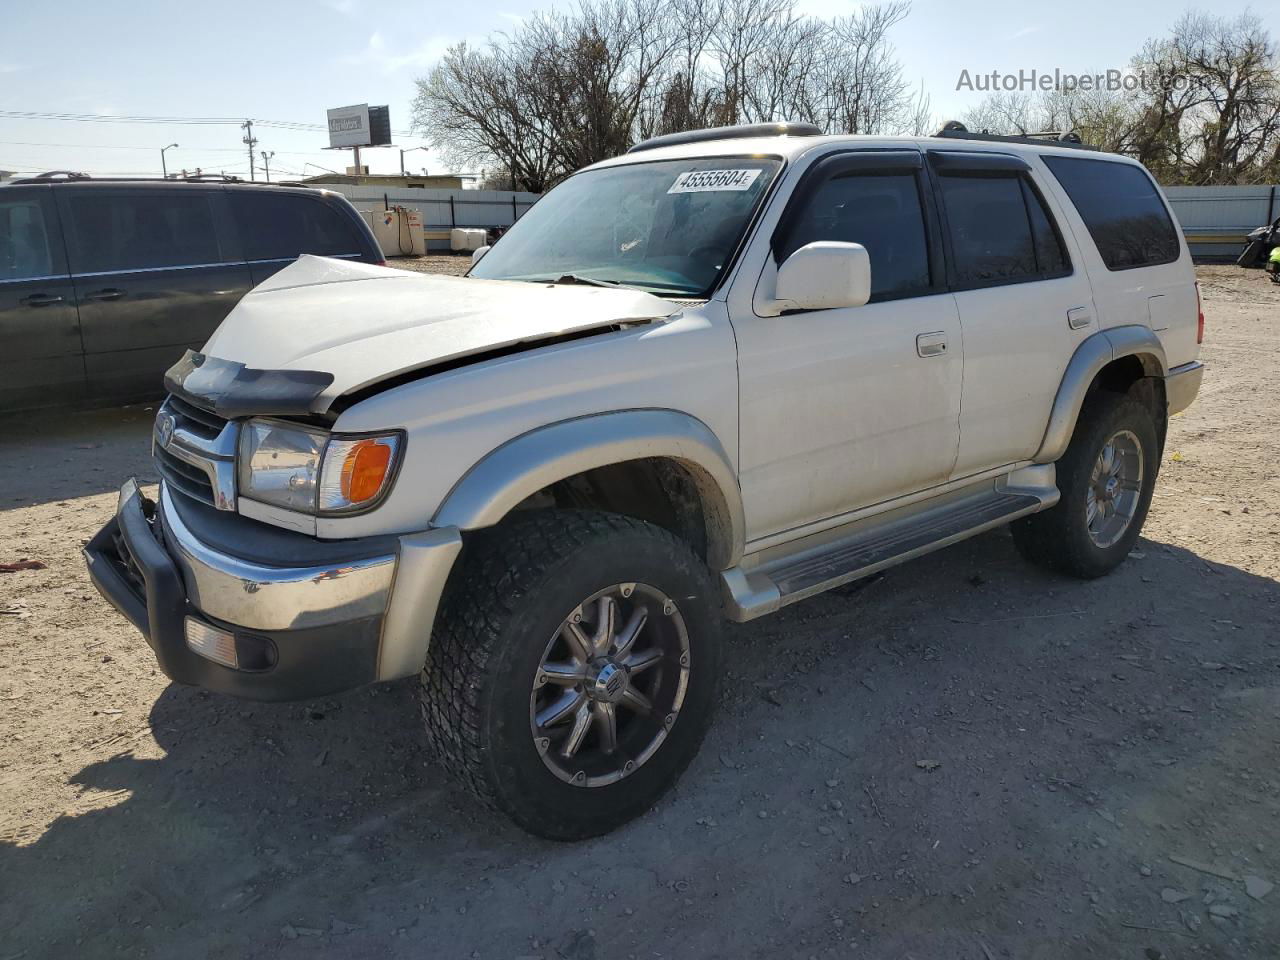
53,175
730,133
955,130
70,176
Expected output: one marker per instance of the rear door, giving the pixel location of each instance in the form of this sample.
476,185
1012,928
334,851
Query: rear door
277,226
1024,303
41,361
153,278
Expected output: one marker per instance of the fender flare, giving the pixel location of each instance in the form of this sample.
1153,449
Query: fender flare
1090,357
534,460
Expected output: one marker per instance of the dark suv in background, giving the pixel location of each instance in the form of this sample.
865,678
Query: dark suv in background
105,283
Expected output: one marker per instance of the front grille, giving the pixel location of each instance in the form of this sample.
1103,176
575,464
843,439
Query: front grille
196,432
183,477
196,420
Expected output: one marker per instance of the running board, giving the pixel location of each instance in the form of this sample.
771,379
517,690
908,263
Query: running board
868,547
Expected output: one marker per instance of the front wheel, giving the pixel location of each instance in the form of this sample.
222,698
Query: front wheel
573,670
1106,478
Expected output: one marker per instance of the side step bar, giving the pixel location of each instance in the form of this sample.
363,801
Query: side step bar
871,546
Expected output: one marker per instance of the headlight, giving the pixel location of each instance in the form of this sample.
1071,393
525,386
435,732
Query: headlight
312,471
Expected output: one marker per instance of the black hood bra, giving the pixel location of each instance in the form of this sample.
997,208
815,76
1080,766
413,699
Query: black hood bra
233,390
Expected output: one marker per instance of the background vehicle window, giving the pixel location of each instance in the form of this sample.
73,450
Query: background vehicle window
990,232
24,241
120,231
1122,210
276,226
881,212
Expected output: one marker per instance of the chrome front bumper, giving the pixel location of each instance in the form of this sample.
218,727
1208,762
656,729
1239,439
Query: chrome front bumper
329,625
1181,385
274,598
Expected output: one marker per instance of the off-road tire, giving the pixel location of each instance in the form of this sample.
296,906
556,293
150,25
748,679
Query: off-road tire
514,586
1058,538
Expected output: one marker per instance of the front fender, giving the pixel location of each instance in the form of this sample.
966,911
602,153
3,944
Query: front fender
1090,357
532,461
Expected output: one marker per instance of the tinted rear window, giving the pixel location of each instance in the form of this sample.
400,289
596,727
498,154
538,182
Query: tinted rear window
119,230
276,226
1122,209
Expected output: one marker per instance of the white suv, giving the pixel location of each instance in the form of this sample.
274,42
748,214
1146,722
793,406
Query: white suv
712,377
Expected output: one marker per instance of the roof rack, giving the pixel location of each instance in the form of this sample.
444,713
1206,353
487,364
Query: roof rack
53,175
738,132
955,130
64,176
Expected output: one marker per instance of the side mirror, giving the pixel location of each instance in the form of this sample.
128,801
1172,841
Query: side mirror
823,276
477,253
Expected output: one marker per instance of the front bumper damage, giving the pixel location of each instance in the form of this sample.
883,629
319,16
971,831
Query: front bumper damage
288,618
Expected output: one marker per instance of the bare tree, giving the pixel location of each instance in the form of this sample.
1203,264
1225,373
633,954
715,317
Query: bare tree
568,89
1204,107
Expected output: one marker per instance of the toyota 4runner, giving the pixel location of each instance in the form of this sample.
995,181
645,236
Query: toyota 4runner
717,375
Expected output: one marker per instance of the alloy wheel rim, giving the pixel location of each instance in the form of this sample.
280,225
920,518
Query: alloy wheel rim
1115,487
610,685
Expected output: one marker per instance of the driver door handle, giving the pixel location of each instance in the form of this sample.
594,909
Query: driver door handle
931,344
109,293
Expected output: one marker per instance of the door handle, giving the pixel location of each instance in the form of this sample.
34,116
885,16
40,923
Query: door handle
110,293
40,300
931,344
1079,317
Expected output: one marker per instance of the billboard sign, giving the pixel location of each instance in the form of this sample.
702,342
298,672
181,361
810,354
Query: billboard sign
349,126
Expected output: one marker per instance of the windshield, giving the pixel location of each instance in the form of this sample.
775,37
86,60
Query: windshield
667,227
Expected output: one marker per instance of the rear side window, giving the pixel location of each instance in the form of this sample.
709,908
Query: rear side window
1000,231
276,226
112,231
1122,209
25,248
880,211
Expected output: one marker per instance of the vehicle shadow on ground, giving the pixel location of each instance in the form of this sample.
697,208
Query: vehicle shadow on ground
323,829
47,457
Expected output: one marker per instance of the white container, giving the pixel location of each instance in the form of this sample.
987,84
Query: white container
462,240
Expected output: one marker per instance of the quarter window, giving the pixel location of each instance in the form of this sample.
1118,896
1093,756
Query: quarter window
880,211
25,252
120,231
1122,210
278,226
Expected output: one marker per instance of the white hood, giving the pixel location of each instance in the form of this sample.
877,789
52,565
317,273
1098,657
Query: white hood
363,324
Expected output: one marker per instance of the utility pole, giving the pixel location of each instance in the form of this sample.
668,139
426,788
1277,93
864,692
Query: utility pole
250,141
266,162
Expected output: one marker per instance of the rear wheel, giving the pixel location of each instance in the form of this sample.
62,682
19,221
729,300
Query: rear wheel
573,671
1106,478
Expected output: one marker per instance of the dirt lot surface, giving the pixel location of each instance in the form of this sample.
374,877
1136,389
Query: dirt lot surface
965,759
454,264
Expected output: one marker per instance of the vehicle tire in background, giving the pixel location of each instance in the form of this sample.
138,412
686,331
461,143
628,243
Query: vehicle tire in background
1106,478
573,669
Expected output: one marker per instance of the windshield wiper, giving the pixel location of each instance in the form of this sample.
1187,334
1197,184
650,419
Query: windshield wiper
570,278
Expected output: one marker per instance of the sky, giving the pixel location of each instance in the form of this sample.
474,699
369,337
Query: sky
291,61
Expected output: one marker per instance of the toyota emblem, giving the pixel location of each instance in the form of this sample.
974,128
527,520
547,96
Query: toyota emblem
164,428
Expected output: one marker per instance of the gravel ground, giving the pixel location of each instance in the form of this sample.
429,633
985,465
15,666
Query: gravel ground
965,758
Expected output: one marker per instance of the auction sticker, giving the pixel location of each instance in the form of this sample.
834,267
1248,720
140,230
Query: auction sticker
703,181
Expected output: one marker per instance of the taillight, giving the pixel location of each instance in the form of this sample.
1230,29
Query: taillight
382,263
1199,316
